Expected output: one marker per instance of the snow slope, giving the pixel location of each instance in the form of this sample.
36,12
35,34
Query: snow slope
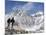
28,23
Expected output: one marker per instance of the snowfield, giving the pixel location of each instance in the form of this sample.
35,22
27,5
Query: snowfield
33,23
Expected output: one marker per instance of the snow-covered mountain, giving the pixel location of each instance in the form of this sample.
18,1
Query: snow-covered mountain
38,14
28,23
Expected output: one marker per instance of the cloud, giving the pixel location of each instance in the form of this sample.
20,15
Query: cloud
28,6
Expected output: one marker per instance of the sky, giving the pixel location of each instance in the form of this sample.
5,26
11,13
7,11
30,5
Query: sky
30,7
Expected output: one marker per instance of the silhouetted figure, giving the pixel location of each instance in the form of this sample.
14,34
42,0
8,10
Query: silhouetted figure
9,21
12,21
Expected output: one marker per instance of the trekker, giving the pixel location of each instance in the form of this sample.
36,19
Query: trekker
12,21
9,21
